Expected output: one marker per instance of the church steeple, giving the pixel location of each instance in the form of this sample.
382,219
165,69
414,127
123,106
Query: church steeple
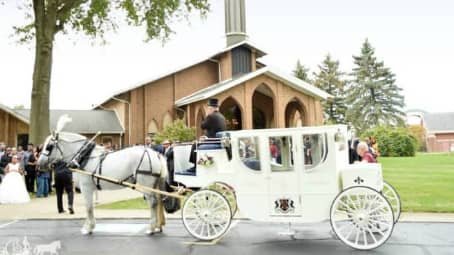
235,21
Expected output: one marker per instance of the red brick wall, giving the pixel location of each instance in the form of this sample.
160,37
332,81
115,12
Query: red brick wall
440,142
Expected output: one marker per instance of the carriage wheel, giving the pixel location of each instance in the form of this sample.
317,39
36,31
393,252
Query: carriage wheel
206,215
228,192
362,218
390,193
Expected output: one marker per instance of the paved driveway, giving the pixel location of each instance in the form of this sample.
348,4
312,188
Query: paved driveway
247,237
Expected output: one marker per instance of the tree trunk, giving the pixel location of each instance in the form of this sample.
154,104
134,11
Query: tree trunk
45,30
39,116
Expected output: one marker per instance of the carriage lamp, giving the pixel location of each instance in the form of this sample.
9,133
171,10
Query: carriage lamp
225,141
226,144
340,138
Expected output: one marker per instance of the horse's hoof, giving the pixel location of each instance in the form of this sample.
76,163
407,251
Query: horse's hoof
86,232
154,231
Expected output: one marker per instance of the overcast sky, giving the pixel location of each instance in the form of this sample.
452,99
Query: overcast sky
414,38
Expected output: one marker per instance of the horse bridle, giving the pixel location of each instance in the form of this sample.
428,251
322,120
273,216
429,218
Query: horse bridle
53,143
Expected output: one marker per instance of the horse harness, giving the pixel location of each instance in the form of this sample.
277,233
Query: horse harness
133,176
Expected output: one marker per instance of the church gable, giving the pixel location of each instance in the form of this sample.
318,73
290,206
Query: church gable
259,102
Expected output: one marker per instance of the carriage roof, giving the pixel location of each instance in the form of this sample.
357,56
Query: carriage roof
281,131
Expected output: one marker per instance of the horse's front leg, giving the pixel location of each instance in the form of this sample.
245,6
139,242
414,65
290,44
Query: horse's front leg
87,190
157,219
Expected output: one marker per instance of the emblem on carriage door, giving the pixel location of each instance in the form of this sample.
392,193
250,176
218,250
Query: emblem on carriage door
284,205
358,180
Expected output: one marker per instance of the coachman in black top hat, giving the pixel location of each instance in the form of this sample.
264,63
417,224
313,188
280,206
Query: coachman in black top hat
215,121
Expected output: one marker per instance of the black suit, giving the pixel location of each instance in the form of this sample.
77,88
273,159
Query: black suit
30,177
63,182
214,122
170,167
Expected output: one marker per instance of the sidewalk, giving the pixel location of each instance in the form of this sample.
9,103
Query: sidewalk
46,208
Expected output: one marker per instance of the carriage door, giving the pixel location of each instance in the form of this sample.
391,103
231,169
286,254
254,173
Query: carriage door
284,195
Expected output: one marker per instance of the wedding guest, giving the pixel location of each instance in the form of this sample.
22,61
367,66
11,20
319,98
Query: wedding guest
30,168
43,178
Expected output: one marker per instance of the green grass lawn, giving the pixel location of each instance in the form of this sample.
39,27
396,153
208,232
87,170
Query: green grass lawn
136,203
425,183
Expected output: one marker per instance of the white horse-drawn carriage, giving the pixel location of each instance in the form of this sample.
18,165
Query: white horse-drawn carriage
293,175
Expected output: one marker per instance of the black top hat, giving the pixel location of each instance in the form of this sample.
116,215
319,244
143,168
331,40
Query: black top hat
213,102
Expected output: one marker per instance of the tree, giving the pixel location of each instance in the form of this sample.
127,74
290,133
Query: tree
373,97
302,72
330,79
47,18
177,131
419,132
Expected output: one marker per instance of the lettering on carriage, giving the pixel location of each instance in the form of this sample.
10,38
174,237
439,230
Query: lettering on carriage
284,205
358,180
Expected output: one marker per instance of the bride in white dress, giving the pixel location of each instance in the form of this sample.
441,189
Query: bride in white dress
12,189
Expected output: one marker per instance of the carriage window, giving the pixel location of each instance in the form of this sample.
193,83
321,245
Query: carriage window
248,150
281,153
315,149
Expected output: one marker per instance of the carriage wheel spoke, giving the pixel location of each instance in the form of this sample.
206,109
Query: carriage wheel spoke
372,234
199,225
350,232
348,224
351,201
364,236
380,222
380,207
346,205
387,193
357,237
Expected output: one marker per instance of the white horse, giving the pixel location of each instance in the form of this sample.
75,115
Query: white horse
138,163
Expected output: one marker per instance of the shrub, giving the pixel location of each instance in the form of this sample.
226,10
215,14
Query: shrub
419,133
393,141
177,131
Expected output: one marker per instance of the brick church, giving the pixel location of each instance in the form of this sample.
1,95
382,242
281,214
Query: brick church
251,95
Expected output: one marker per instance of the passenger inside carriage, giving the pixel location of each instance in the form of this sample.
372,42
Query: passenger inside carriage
248,152
315,150
281,153
274,151
364,153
